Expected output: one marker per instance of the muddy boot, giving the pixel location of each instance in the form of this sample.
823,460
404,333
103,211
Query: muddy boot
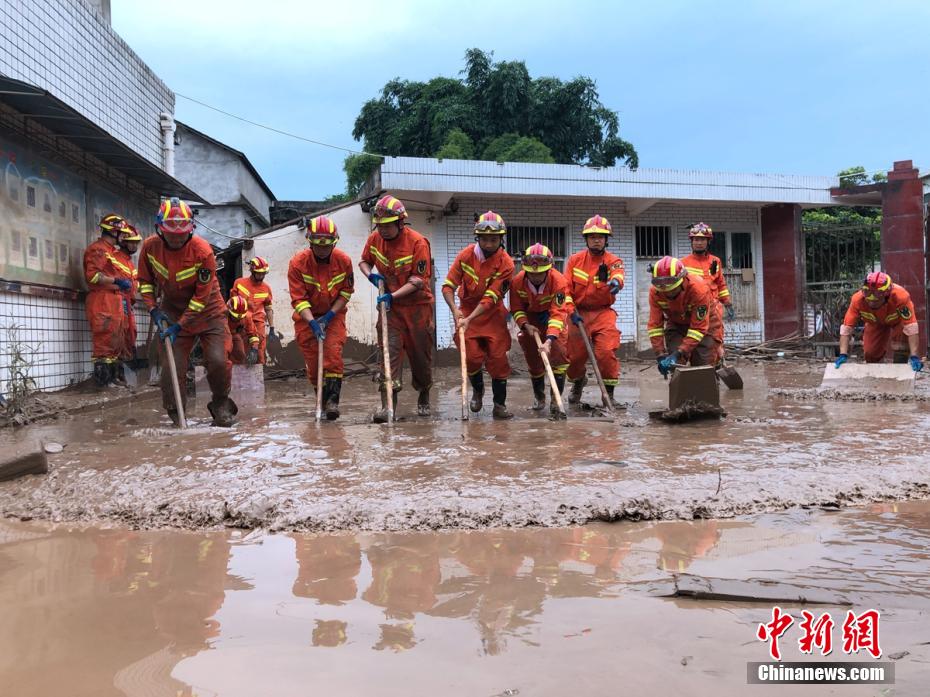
499,391
477,396
331,389
223,411
423,403
610,396
539,394
118,374
190,382
173,415
553,406
101,373
381,416
577,388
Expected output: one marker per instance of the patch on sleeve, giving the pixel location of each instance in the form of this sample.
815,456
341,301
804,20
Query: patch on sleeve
905,312
560,299
616,265
421,267
701,312
204,275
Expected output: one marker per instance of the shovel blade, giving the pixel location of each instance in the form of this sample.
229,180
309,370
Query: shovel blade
729,377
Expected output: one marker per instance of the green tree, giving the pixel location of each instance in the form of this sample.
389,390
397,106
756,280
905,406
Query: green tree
358,167
458,146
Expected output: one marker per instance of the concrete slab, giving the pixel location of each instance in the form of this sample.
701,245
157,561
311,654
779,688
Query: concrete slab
884,377
697,384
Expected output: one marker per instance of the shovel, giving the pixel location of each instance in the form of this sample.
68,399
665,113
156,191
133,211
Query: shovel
729,377
388,382
552,383
175,385
319,380
464,375
605,398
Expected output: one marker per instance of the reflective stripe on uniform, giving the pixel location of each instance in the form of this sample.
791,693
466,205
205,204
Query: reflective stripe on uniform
518,315
867,316
892,317
379,256
336,280
656,332
260,296
695,269
301,306
404,260
580,274
184,274
195,305
254,340
163,270
96,278
449,284
311,280
724,293
469,271
146,288
491,294
345,294
696,335
557,323
242,289
122,267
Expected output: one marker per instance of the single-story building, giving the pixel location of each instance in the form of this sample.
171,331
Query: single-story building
756,220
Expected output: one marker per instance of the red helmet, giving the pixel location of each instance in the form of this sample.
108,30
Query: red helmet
701,230
667,274
490,223
597,225
175,218
237,307
259,265
113,225
537,258
322,230
130,234
877,285
387,210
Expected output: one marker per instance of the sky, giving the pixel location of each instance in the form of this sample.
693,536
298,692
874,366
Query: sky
789,87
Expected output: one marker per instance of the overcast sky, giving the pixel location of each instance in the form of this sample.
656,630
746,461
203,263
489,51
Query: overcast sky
794,87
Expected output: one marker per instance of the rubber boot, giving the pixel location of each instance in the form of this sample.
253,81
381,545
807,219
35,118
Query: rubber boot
477,396
190,382
577,388
423,403
499,392
331,389
610,396
560,383
381,416
539,393
119,374
101,373
223,411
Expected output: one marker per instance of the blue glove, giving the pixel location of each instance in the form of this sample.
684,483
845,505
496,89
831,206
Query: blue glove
916,364
731,313
386,298
542,317
576,319
317,329
841,360
552,337
123,283
375,278
667,364
159,318
170,333
614,286
251,358
327,318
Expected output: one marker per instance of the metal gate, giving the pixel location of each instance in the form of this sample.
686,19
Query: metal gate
837,258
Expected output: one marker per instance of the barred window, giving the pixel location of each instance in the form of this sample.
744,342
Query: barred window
519,237
718,246
741,250
653,241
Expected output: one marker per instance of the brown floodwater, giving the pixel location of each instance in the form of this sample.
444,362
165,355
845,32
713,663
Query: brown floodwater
279,470
92,611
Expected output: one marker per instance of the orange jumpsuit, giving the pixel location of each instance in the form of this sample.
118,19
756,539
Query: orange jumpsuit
185,280
700,264
104,304
890,323
411,327
589,275
689,323
547,309
244,337
130,332
483,281
316,284
258,296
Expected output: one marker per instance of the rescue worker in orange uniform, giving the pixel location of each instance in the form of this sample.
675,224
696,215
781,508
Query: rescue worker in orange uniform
179,268
684,322
128,243
887,311
709,267
257,293
321,282
541,302
596,276
107,280
399,257
244,337
482,273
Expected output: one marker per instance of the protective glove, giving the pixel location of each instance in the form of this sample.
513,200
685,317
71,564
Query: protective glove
317,329
841,360
251,358
602,272
171,332
327,318
270,331
730,312
123,283
713,267
614,286
576,318
916,364
159,318
386,298
552,338
668,363
543,317
375,278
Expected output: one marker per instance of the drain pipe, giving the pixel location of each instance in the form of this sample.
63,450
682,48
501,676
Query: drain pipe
166,122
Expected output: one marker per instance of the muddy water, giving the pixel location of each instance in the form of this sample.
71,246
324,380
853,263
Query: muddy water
280,471
91,611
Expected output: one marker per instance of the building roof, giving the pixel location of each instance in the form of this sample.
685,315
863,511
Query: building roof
238,153
50,112
526,179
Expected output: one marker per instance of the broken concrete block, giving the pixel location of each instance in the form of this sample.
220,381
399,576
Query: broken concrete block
26,460
694,384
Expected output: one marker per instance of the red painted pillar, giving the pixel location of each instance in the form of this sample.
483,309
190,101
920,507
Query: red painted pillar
903,237
782,269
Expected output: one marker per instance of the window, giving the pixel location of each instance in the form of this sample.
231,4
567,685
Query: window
75,213
62,210
63,254
46,203
49,250
522,236
31,196
741,250
718,246
653,240
34,247
248,228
